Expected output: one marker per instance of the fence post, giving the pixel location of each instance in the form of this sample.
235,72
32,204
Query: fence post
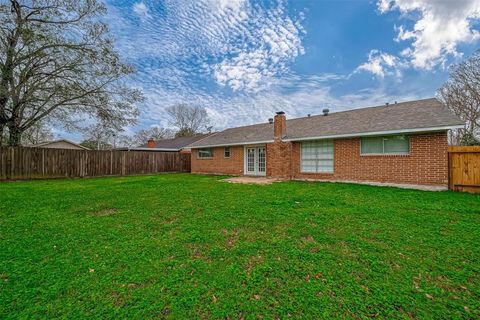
124,154
43,162
11,162
450,170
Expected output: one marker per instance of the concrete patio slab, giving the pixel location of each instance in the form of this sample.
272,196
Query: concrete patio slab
385,184
264,181
252,180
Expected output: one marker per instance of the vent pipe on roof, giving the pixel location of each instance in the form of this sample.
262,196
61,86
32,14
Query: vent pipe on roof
308,115
387,104
270,120
325,112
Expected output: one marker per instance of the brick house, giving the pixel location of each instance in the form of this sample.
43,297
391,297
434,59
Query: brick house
404,143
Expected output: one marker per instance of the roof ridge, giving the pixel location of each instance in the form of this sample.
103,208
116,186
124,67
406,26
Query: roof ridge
206,135
57,140
363,108
200,134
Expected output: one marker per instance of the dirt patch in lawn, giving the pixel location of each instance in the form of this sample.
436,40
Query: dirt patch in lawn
103,212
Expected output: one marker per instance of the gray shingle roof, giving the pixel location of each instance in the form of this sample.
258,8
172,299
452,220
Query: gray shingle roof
412,116
176,143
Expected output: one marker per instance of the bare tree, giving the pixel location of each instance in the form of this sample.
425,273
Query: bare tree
38,133
57,61
461,93
100,136
187,119
142,136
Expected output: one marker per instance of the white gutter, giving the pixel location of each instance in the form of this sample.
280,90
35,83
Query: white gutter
231,144
152,149
376,133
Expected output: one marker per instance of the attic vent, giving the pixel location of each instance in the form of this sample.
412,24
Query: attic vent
325,112
270,120
308,115
387,104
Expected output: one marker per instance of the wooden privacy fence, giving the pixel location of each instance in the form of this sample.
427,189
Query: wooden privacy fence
464,169
41,163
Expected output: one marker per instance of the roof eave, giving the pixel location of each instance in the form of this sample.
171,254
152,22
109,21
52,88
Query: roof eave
230,144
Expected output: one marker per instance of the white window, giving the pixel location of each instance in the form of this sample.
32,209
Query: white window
317,156
226,152
205,153
385,145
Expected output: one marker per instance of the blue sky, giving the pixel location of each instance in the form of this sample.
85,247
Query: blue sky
243,60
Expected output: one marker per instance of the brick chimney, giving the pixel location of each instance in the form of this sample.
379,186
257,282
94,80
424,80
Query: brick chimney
279,126
151,143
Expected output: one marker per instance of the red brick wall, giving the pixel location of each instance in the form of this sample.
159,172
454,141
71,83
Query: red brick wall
427,162
219,164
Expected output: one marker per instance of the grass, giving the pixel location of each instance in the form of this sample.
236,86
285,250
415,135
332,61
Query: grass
185,246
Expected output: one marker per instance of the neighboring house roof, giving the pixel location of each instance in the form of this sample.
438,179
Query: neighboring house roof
49,143
175,144
414,116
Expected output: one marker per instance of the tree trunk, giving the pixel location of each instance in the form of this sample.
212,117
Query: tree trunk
2,130
15,136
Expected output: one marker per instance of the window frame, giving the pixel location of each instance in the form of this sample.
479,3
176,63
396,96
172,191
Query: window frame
203,158
383,153
225,151
317,160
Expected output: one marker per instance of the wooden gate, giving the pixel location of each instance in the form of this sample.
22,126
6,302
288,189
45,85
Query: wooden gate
464,169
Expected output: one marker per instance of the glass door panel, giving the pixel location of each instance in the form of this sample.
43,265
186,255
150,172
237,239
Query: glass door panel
261,168
251,160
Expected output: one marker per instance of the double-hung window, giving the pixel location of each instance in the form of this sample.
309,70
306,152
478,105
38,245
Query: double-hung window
398,144
226,152
317,156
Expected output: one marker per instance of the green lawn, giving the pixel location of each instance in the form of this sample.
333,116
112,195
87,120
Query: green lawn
186,246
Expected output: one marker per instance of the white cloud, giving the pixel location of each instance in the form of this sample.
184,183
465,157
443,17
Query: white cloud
268,41
141,9
381,63
240,45
440,26
234,5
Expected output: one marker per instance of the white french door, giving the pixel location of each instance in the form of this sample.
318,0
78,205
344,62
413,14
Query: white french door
255,161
